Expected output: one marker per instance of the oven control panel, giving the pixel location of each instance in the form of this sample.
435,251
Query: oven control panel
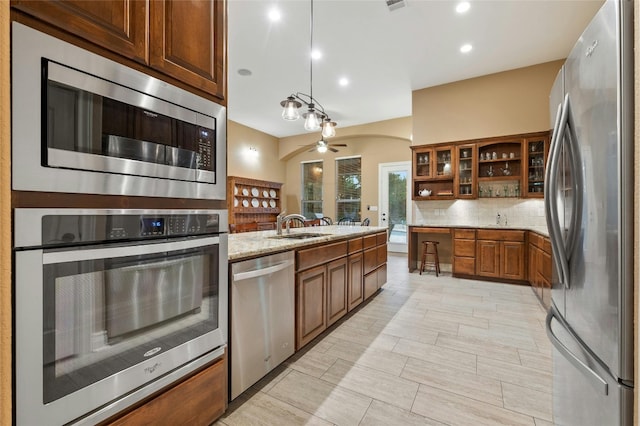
74,229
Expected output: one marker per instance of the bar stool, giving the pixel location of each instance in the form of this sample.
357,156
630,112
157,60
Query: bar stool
430,248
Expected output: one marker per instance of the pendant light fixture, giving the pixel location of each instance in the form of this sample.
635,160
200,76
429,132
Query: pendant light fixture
316,117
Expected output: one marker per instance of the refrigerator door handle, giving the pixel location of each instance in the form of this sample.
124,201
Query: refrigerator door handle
576,174
598,382
550,202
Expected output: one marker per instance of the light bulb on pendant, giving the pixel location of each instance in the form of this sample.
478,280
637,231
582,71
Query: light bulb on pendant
311,119
290,108
328,128
322,146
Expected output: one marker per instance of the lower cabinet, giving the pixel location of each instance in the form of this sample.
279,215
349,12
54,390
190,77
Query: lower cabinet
540,267
464,252
202,398
333,279
501,254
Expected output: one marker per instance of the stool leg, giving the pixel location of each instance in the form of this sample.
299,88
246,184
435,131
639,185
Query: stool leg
423,261
437,260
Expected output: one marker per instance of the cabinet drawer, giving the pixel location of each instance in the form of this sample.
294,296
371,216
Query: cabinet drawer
355,245
316,256
466,248
500,235
546,245
370,260
535,239
381,254
464,265
369,241
202,399
370,284
381,238
468,234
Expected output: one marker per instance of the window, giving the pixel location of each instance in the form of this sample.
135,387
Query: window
312,190
348,188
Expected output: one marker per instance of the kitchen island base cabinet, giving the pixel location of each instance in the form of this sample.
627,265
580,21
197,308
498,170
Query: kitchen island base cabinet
201,398
337,305
355,294
311,313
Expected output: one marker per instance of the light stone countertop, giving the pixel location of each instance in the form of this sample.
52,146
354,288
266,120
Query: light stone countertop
542,230
250,244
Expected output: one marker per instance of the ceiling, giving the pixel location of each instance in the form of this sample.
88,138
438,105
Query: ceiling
384,54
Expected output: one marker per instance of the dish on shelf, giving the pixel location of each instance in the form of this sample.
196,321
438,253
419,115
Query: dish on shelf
265,204
255,192
272,203
235,202
265,193
272,193
255,203
235,190
245,192
245,203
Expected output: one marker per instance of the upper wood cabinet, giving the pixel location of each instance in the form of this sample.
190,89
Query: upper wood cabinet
184,40
188,42
504,166
120,26
536,151
433,171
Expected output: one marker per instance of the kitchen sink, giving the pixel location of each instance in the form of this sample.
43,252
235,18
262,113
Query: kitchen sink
299,236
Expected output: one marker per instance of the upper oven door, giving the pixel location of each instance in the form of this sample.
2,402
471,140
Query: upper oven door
94,323
82,123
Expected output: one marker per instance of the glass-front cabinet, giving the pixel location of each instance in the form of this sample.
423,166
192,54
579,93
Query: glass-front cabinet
465,179
499,169
536,150
422,163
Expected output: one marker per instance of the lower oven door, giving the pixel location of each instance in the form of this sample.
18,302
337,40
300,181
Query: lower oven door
97,328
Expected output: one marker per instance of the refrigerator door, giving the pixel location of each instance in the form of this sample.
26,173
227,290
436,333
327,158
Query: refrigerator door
584,392
598,295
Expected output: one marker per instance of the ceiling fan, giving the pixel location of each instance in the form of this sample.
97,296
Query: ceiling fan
323,146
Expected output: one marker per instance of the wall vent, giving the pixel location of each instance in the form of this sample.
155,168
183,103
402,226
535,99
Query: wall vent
395,4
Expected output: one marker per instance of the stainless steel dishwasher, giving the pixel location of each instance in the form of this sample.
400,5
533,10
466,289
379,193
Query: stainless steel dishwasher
262,318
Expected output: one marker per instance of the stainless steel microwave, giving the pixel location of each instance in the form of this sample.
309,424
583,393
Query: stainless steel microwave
85,124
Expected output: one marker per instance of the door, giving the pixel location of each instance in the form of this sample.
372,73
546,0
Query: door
395,203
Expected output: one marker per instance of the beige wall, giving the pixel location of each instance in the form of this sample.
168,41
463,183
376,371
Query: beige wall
499,104
263,163
373,150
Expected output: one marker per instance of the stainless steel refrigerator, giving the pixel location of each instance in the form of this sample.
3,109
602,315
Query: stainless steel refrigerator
589,208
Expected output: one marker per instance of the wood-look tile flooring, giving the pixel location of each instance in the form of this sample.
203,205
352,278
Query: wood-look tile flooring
424,351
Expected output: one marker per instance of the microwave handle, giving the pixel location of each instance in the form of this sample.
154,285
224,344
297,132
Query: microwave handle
116,252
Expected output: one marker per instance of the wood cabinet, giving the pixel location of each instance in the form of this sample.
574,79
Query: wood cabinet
536,150
202,399
540,267
501,254
433,170
252,202
333,279
375,263
505,166
465,178
184,41
321,289
499,168
464,252
311,312
355,270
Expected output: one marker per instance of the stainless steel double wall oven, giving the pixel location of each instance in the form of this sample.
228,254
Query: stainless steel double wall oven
112,304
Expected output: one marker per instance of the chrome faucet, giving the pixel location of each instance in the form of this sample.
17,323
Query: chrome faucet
281,218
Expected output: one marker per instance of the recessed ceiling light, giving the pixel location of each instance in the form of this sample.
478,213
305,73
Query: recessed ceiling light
466,48
316,54
274,15
344,81
244,72
462,7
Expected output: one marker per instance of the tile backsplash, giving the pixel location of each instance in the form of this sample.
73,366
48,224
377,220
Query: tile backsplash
514,213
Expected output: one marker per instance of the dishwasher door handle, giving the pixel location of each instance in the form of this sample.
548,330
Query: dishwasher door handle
240,276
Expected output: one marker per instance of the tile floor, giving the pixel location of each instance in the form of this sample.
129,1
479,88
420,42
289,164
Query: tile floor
423,351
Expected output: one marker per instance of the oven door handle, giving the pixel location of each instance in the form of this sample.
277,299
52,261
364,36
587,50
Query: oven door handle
116,252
